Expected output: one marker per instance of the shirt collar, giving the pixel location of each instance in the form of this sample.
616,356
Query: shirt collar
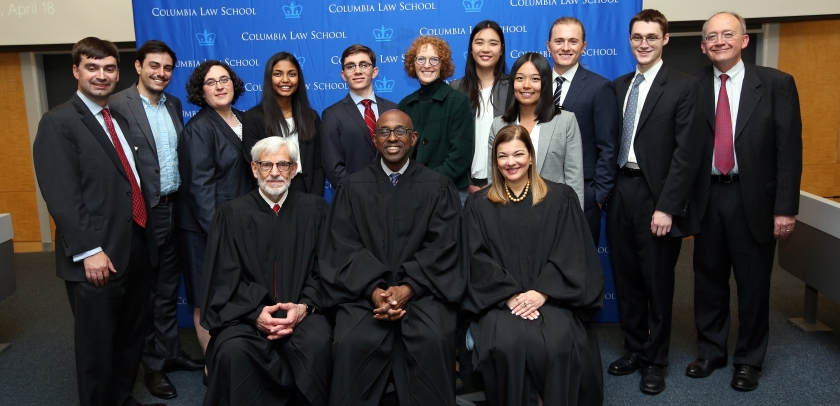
388,170
650,75
270,203
358,99
567,75
733,72
149,103
91,105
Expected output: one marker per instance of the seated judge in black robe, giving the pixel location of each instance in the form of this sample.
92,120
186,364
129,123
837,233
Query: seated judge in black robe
269,345
535,284
392,265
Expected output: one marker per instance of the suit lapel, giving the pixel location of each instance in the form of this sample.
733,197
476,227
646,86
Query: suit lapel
174,114
707,82
98,132
575,88
546,134
621,94
353,111
653,96
135,104
750,96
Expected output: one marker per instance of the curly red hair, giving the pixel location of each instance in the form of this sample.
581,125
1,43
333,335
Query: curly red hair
447,68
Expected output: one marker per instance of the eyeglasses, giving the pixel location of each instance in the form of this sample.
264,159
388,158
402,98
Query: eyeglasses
651,40
726,35
224,80
400,132
421,60
351,67
267,166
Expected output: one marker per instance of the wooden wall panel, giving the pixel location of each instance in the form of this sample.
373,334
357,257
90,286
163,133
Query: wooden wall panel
17,178
810,51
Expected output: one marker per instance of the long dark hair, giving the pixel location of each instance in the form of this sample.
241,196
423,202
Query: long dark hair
470,83
275,123
546,109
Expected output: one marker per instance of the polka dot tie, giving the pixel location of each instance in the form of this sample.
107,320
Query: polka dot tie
724,156
629,121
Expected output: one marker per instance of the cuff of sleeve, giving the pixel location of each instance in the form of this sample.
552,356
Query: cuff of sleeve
252,317
418,290
379,283
82,256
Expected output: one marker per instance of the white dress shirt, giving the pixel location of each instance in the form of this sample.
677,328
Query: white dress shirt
293,137
644,89
733,90
567,83
483,122
270,203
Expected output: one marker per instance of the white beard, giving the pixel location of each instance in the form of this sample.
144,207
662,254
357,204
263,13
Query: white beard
273,192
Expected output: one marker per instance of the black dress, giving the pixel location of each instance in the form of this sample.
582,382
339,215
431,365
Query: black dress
519,247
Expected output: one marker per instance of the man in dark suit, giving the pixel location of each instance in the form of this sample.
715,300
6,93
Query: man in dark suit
592,98
155,121
87,172
347,143
755,163
649,212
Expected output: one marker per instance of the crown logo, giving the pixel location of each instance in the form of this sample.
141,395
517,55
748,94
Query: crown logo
473,6
384,85
301,60
206,38
465,55
293,10
383,34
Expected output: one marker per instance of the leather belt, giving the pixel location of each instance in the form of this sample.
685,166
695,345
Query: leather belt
169,198
631,172
726,178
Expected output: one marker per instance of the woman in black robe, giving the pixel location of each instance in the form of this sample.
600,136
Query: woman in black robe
535,284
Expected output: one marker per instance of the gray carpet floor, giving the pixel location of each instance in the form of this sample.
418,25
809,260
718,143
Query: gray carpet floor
801,369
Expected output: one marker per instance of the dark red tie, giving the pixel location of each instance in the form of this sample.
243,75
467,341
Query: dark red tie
370,120
276,208
724,156
137,205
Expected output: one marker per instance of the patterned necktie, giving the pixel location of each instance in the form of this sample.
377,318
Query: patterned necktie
559,90
276,208
138,208
724,156
629,118
395,178
370,120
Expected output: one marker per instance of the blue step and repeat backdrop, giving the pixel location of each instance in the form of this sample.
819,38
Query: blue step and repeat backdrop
245,34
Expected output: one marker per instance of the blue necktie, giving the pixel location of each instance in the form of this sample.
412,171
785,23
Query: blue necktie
629,118
558,92
394,178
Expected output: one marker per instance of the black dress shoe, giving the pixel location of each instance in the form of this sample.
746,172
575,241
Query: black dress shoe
183,363
745,378
159,385
701,367
625,365
653,380
151,404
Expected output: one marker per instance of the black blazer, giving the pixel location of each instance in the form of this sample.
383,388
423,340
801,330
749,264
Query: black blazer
592,98
345,144
213,169
129,104
499,96
668,143
768,145
86,188
311,179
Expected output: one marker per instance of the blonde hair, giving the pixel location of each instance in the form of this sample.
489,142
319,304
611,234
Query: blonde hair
496,193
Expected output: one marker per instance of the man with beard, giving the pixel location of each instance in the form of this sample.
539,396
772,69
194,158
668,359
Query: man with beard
269,342
154,117
393,270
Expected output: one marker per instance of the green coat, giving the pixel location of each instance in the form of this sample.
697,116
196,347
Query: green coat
445,132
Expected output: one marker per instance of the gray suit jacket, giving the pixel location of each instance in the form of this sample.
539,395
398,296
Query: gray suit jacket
559,154
129,104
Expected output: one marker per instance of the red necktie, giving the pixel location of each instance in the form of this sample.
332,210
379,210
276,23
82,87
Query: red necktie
137,205
276,208
370,120
724,156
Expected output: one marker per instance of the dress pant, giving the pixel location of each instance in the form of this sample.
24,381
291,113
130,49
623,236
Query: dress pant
109,324
193,247
593,220
724,245
161,342
643,268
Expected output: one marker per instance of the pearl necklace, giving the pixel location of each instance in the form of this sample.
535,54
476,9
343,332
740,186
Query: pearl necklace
520,198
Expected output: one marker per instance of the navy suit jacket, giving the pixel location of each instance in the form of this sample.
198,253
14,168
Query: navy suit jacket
129,104
592,98
345,140
768,145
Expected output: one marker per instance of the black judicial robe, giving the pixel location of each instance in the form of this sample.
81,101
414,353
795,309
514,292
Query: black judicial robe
547,248
245,242
383,235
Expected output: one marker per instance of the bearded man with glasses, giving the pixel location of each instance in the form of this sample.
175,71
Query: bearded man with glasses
270,343
347,140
